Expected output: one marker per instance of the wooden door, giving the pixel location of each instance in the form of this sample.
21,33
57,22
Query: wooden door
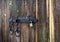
14,8
23,8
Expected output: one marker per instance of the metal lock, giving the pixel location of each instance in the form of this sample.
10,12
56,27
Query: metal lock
31,24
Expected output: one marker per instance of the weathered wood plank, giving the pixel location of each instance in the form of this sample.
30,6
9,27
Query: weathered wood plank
51,21
56,9
27,8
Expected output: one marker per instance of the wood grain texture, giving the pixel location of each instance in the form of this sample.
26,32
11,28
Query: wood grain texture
57,19
25,8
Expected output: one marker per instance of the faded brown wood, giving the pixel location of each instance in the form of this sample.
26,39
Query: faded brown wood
24,26
4,21
5,17
36,31
24,33
32,10
27,8
0,25
56,7
42,23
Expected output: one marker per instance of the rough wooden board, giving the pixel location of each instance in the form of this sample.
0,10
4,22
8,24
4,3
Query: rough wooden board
24,32
5,17
0,26
24,27
4,20
57,19
31,30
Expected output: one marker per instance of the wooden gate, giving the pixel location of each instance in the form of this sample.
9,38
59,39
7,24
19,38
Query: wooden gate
28,32
14,8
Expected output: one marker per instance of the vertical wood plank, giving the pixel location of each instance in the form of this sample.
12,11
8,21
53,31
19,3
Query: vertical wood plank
51,21
24,26
36,18
0,25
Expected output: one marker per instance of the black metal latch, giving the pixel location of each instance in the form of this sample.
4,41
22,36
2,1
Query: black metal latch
23,20
30,20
